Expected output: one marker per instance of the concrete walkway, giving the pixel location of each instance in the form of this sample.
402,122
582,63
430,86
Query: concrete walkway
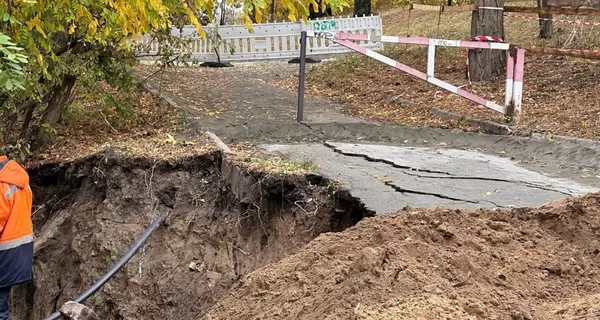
387,178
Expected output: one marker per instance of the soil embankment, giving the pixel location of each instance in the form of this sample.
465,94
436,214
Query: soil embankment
437,264
89,212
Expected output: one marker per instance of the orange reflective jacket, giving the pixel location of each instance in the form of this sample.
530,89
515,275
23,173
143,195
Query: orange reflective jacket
16,228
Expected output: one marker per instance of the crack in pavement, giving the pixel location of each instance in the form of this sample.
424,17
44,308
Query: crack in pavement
437,195
528,184
446,175
371,159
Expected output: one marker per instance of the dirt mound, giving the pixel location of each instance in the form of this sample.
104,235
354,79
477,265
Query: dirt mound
89,212
437,264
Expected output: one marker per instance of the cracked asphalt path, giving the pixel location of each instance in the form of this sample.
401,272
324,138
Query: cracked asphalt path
387,178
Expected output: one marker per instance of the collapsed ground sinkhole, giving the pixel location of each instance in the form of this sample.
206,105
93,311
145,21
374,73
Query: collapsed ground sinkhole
224,222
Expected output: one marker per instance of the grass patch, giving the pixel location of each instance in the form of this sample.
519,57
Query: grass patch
260,160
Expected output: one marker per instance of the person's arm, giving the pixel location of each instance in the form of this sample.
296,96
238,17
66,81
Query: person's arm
5,208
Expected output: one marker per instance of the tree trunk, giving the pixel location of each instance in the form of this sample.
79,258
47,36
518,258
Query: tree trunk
57,104
272,15
486,64
546,28
223,9
27,120
362,7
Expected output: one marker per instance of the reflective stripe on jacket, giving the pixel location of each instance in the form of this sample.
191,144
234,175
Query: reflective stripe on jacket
16,228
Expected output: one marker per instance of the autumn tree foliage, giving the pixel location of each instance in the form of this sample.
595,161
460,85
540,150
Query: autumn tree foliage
47,47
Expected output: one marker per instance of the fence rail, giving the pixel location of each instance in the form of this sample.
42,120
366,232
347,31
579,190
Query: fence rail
514,73
279,40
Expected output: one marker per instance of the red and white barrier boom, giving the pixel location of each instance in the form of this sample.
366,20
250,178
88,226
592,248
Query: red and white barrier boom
514,76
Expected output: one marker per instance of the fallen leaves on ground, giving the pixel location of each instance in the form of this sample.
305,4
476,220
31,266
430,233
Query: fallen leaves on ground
148,130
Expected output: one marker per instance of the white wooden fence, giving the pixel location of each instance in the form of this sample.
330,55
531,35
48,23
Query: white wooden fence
280,40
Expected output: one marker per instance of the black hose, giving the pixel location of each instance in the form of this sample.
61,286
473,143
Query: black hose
134,248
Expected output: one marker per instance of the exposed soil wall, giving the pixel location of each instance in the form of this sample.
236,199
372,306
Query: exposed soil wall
89,212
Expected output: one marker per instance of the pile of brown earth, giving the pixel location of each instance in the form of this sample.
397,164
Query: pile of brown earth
437,264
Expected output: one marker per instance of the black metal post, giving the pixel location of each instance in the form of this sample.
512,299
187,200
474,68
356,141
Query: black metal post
300,111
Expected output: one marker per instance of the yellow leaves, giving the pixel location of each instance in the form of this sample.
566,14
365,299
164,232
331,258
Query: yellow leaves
386,181
247,22
107,31
37,24
315,5
258,16
120,5
194,20
157,6
72,29
92,27
130,25
170,139
81,12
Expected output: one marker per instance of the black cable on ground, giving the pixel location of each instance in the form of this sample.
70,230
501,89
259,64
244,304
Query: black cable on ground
134,248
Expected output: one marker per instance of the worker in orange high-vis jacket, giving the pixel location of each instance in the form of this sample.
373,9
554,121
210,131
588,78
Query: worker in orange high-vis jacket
16,230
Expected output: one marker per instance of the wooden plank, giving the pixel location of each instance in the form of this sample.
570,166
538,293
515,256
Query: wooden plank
587,54
565,11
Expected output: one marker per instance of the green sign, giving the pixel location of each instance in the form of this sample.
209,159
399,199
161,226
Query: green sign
325,25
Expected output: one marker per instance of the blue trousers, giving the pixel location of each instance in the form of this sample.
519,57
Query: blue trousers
4,295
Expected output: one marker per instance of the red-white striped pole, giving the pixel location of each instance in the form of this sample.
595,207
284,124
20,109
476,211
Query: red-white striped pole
431,59
510,70
519,73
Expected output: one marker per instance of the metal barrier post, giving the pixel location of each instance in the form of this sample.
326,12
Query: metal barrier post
510,70
518,83
302,76
431,59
